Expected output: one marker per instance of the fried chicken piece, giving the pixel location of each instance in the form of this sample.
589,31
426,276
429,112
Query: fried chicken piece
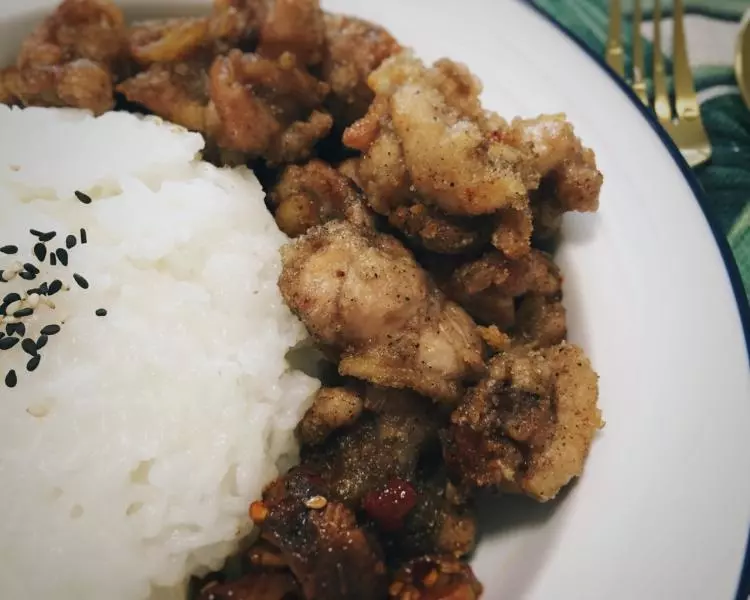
354,49
562,159
258,585
449,148
332,409
521,297
177,92
330,555
70,59
527,427
237,23
266,108
80,83
167,40
362,294
295,26
435,578
313,194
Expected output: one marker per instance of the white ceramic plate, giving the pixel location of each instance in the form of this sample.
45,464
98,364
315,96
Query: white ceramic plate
664,506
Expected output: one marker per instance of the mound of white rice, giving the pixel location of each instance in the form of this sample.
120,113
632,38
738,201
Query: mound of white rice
129,456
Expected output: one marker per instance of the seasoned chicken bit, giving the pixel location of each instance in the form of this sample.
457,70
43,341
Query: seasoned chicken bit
177,92
354,49
435,578
266,108
70,59
167,40
561,158
294,26
527,427
260,585
332,409
362,294
330,555
521,297
237,23
316,193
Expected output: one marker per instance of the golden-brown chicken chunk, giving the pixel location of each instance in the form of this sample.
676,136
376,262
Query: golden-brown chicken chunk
313,194
521,296
266,108
70,59
362,294
332,409
237,23
294,26
354,49
177,92
168,40
528,426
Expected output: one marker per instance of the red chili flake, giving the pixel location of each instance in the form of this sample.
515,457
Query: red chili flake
389,506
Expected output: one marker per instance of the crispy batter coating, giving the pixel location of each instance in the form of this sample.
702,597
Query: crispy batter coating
266,107
332,409
331,556
177,92
258,585
561,157
236,23
521,296
294,26
167,40
528,426
354,49
70,59
363,294
437,577
313,194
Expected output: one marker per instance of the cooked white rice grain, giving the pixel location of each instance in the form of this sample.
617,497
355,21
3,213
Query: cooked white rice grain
129,456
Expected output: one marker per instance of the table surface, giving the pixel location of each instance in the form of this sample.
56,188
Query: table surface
711,29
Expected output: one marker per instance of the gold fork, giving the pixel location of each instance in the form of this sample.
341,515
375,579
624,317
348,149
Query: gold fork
684,126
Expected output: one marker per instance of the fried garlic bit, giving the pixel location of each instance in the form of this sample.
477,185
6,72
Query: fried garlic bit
528,426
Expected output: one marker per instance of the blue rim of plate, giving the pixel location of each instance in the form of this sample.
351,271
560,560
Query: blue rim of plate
743,305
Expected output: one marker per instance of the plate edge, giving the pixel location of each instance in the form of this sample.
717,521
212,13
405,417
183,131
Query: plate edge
730,264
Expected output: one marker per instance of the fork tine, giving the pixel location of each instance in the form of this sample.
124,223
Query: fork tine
661,97
686,100
639,83
615,52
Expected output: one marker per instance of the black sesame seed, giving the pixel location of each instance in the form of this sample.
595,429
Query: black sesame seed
27,276
46,237
83,197
83,236
54,287
62,256
29,347
52,259
36,232
10,379
101,312
43,289
80,280
41,341
34,291
31,268
16,329
40,251
49,330
23,312
12,297
8,342
9,249
33,363
70,241
3,308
